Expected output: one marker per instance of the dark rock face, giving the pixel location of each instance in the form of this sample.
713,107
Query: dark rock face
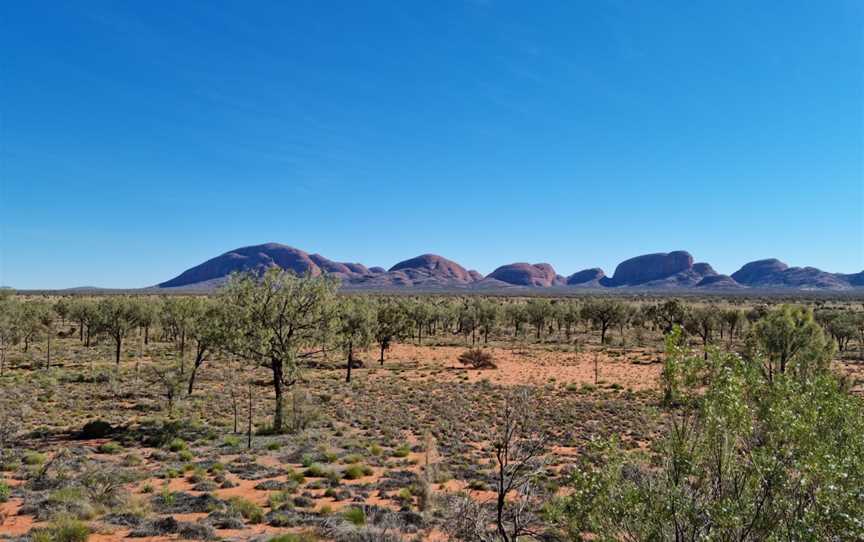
377,270
650,267
586,276
525,274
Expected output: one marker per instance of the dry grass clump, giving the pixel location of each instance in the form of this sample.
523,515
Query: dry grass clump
477,358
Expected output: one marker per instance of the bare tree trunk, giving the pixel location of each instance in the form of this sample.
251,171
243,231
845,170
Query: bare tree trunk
278,415
350,361
249,424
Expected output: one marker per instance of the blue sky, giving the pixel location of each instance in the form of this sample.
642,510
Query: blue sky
141,138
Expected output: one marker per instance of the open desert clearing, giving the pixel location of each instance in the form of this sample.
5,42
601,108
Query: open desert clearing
400,437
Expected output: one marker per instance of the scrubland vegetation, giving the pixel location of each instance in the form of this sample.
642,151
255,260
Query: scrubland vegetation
279,409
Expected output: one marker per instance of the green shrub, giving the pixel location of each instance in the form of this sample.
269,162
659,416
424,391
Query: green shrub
316,470
402,451
32,458
62,529
295,475
185,455
177,445
356,471
109,448
250,511
352,458
5,491
355,515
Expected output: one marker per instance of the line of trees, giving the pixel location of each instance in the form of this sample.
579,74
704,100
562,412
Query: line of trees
278,321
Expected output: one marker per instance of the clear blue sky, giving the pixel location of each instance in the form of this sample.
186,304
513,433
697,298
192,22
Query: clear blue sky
141,138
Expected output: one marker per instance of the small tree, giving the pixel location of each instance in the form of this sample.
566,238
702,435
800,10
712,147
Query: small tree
488,313
518,449
46,321
9,323
391,324
539,311
206,328
274,321
702,321
357,324
788,336
178,316
603,313
118,315
170,382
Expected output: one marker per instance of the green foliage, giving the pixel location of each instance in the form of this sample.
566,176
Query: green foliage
356,471
177,445
682,371
402,451
250,511
5,491
33,458
789,339
748,458
274,321
355,516
109,448
62,529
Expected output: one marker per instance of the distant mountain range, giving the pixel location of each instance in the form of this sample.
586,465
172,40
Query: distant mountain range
662,271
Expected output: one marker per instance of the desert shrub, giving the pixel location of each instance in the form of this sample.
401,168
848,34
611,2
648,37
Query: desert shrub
356,471
250,511
185,455
231,441
402,451
177,445
316,470
62,529
109,448
782,450
33,458
355,516
477,358
295,475
5,491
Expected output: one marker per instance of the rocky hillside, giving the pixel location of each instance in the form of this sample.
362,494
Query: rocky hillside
660,271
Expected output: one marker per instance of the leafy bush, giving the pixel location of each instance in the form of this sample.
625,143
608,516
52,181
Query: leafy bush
402,451
5,491
62,529
355,516
356,471
33,458
250,511
780,448
109,448
477,358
